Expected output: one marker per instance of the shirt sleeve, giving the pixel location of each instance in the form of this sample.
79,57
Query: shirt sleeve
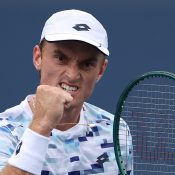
8,144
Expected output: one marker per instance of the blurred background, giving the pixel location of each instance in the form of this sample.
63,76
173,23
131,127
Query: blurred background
141,39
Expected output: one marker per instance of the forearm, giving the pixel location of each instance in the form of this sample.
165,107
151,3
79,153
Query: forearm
11,170
29,154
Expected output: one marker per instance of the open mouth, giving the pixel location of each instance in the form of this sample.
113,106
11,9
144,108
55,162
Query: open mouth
69,88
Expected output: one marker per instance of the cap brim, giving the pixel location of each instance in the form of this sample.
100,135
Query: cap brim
62,37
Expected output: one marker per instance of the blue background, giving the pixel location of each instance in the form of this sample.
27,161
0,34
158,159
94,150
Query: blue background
141,38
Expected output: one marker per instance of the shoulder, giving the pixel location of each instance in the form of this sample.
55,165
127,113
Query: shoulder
14,121
103,114
17,115
98,112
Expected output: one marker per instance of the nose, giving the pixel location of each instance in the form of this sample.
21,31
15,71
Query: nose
73,72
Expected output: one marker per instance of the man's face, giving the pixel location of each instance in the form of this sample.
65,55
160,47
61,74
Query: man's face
73,66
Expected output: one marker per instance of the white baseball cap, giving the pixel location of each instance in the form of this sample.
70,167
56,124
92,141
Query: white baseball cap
76,25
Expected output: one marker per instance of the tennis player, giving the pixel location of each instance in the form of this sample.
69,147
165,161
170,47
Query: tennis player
55,132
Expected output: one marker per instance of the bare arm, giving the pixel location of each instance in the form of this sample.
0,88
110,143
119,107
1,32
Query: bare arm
10,170
44,120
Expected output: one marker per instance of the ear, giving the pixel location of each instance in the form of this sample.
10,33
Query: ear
102,70
37,60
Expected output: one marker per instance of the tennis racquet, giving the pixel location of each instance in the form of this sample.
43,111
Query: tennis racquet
147,105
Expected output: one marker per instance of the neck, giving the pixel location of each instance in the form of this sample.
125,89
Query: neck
70,118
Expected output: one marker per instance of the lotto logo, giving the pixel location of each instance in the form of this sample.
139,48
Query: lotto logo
81,27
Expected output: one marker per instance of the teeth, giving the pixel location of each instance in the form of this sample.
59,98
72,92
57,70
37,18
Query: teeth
68,88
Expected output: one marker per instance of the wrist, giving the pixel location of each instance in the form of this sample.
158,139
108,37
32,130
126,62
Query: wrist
41,127
30,152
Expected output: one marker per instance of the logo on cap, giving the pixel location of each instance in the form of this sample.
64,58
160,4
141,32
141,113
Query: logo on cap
81,27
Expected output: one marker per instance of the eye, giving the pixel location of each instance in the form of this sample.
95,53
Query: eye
61,58
88,64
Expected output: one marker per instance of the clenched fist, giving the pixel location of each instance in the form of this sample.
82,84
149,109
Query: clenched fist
50,103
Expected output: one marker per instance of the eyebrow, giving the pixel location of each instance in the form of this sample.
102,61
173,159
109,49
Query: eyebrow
93,58
57,51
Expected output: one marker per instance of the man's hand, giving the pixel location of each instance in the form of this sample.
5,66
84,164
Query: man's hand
49,105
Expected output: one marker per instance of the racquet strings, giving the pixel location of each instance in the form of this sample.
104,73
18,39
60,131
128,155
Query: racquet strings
149,110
